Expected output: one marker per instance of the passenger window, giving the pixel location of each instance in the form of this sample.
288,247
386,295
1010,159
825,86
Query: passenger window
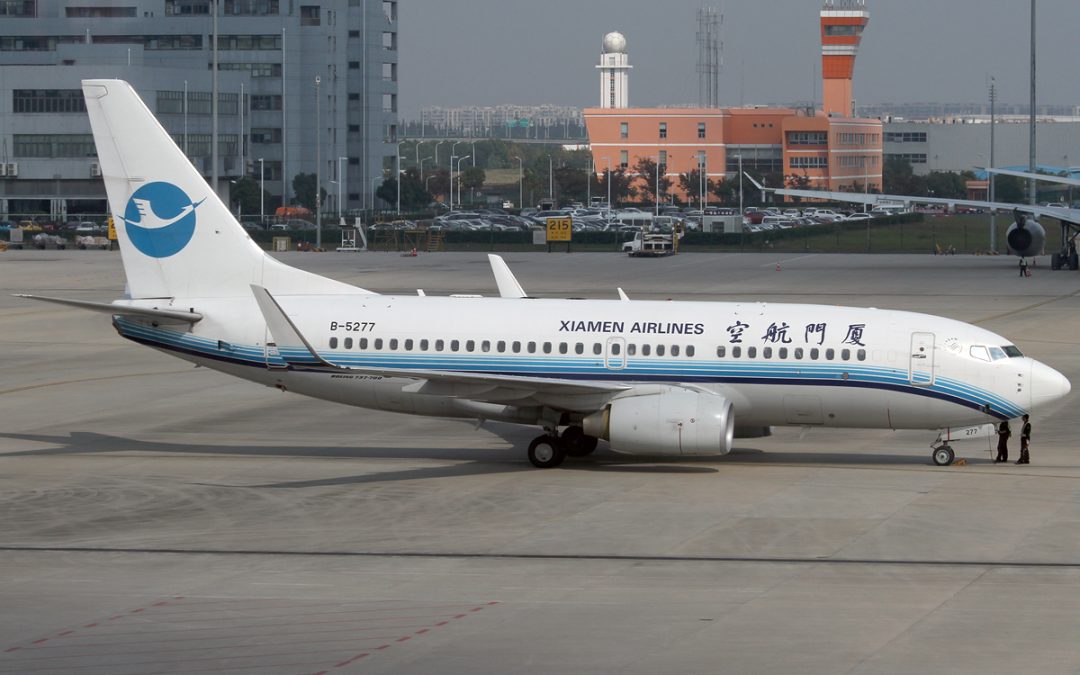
861,354
562,348
485,346
408,345
798,353
751,352
333,343
736,352
674,350
766,353
689,350
783,352
470,345
532,347
455,345
439,344
516,347
348,343
579,348
501,346
393,343
378,343
616,348
423,345
814,353
547,347
845,354
597,348
979,352
720,351
646,350
829,354
363,343
659,350
631,349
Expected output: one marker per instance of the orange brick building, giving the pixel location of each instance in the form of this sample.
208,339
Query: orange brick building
829,147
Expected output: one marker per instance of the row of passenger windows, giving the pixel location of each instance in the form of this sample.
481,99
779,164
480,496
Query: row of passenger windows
579,348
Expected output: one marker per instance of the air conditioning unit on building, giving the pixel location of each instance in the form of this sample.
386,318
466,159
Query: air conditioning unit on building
95,170
12,169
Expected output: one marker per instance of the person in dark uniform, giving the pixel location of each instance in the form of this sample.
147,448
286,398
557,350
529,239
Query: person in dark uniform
1004,433
1025,440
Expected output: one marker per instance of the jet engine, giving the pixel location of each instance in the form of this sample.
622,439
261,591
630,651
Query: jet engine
1026,237
673,421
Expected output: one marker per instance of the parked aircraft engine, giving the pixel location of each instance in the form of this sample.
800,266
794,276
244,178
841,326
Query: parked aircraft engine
674,421
1026,237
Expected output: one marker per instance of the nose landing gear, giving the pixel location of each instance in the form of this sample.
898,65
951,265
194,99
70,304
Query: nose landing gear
942,455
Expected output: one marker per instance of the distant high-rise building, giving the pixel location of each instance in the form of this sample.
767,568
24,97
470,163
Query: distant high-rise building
269,54
614,72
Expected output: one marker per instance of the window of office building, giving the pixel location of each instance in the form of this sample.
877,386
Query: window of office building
807,138
23,9
249,42
811,162
250,7
54,145
624,130
266,102
266,135
309,15
187,7
48,101
909,157
663,130
701,130
99,12
905,136
624,159
253,69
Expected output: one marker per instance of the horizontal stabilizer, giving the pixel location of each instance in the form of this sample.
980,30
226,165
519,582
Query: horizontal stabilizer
167,315
291,345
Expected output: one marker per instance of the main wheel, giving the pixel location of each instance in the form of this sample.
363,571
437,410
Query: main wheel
1055,261
943,456
577,444
546,452
1074,262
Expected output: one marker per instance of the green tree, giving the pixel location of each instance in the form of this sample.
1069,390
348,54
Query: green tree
413,194
690,183
438,184
245,195
472,178
304,189
1010,189
946,184
622,188
647,184
570,184
727,191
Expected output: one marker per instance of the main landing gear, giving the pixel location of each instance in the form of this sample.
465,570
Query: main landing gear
549,451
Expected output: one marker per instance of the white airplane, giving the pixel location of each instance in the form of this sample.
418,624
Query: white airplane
653,378
1026,237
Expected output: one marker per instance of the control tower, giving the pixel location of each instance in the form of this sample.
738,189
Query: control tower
614,72
842,24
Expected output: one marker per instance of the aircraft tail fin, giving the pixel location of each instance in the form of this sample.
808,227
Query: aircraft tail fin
177,238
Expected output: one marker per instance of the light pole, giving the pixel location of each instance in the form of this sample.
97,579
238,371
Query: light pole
588,183
551,181
397,176
993,211
373,181
318,168
437,153
451,195
473,152
262,193
421,164
657,200
340,182
741,215
521,183
427,180
458,179
607,180
417,149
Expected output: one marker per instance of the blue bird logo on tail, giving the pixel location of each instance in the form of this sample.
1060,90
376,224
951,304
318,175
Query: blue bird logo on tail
160,219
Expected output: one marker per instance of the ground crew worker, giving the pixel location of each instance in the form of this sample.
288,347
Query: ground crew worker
1025,440
1004,432
1023,266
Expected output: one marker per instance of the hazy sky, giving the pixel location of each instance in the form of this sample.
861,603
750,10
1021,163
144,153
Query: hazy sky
484,52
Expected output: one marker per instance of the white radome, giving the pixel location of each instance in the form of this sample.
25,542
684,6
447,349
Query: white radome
614,43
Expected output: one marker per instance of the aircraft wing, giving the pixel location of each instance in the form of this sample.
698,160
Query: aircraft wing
1070,215
295,349
1037,176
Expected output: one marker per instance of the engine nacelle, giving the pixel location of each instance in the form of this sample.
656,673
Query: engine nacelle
1026,239
674,421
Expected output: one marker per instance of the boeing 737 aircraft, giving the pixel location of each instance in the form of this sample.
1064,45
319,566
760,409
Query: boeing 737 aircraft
653,378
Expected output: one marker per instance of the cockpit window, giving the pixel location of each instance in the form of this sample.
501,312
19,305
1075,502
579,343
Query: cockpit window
997,353
1012,352
979,352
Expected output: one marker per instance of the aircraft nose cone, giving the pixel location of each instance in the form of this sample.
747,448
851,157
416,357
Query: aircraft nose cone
1047,385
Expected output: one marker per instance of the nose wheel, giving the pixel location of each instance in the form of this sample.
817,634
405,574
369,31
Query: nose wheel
943,455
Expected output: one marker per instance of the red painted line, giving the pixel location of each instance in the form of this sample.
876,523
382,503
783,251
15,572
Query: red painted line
12,649
355,658
380,647
421,631
403,639
460,616
160,604
476,609
67,632
114,618
442,623
136,611
37,642
90,625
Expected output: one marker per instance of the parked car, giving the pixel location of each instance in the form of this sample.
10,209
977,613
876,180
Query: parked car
858,216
